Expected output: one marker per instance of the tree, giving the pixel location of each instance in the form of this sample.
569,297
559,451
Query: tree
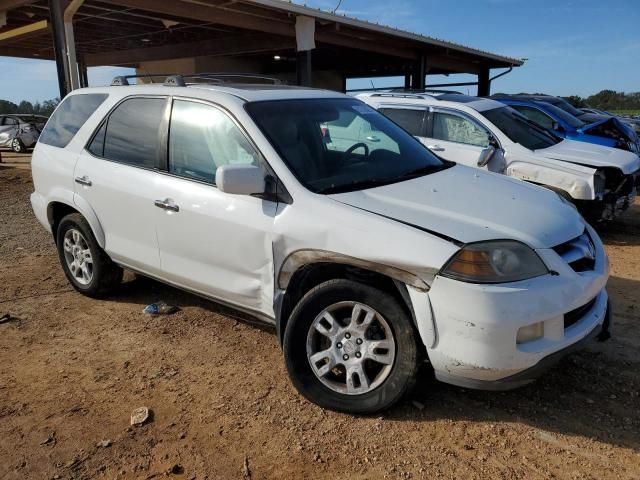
576,100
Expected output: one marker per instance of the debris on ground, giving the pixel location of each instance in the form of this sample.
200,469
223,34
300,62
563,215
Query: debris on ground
177,469
246,471
6,318
50,440
160,308
103,444
139,416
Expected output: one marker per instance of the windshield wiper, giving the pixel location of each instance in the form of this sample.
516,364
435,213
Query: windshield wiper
357,185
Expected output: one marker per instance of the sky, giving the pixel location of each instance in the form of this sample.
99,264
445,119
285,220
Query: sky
572,46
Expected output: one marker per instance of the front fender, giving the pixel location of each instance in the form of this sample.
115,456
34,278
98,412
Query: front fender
577,182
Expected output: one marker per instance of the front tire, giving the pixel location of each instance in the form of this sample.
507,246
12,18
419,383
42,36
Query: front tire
17,146
350,347
87,267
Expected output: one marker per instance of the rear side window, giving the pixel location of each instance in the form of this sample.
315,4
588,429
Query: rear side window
132,132
411,120
69,118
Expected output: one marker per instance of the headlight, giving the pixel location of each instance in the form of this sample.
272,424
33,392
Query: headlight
495,261
530,333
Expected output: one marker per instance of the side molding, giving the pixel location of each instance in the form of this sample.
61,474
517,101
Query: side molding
300,258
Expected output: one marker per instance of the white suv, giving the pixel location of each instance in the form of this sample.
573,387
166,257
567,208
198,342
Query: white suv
366,256
479,132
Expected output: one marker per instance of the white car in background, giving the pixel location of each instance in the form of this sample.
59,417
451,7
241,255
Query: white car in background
484,133
367,257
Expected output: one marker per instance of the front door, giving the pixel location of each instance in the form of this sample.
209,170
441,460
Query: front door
457,138
212,242
8,130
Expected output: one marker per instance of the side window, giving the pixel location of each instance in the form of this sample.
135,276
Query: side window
411,120
203,138
69,118
132,132
454,128
8,121
536,115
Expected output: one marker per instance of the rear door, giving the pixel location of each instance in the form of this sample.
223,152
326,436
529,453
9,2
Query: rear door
456,137
117,175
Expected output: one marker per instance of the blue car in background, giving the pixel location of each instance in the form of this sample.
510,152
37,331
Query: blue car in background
602,130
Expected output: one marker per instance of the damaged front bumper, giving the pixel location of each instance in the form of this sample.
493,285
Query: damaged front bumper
477,325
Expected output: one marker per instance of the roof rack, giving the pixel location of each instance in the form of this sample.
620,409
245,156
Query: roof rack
123,80
420,96
217,78
425,90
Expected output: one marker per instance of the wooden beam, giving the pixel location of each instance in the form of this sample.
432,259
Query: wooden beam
237,45
197,11
11,4
26,31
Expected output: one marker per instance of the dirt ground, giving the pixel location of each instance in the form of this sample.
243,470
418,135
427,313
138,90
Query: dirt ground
72,369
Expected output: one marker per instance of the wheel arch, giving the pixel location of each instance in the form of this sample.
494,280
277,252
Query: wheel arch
305,269
58,209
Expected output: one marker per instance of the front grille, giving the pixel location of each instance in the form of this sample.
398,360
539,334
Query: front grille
579,253
572,317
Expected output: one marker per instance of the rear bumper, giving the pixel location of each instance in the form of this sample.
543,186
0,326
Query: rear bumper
600,332
39,205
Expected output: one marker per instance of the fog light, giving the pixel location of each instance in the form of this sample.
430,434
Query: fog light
530,333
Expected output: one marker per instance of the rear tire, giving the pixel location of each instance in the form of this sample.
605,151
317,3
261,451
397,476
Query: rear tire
361,344
87,267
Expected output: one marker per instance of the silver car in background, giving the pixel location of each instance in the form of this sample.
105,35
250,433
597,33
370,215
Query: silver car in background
21,131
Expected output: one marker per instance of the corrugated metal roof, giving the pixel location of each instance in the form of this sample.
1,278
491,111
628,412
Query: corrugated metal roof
302,9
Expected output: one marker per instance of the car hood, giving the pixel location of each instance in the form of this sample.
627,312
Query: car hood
592,155
595,120
469,205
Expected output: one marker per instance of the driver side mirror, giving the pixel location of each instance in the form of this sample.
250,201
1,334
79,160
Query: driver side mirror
486,155
240,179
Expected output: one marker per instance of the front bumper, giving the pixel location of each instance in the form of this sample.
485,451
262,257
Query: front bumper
476,325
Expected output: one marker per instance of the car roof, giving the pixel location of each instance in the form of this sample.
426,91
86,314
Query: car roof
250,92
478,104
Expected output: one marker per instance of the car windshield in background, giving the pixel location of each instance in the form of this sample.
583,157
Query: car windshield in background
566,106
567,117
341,145
520,129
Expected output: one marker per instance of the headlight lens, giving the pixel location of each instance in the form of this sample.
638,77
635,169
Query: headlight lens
496,261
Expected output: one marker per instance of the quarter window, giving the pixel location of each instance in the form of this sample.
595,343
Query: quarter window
69,117
411,120
203,138
454,128
132,132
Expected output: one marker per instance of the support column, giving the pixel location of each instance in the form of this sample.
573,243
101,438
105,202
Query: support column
484,84
84,77
419,73
305,43
407,82
57,28
303,68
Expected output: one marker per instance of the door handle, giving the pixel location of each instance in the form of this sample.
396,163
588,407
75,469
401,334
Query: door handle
435,148
84,180
373,138
166,204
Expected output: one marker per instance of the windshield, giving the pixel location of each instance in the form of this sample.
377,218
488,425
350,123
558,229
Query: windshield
567,117
520,129
341,145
